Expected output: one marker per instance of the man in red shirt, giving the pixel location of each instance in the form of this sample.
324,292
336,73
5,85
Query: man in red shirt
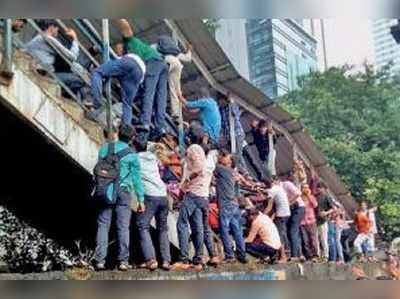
363,227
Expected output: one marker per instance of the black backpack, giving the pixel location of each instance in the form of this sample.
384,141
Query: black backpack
107,173
166,45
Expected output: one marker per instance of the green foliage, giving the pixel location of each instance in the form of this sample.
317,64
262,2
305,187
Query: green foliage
354,117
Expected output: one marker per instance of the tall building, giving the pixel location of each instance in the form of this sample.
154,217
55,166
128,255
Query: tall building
231,35
273,53
280,51
386,49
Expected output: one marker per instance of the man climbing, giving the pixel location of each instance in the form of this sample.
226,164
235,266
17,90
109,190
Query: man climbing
155,81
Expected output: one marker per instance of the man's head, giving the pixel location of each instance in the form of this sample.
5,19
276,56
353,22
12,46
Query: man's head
364,206
225,158
253,214
322,189
50,27
204,92
118,48
126,133
223,100
263,126
18,25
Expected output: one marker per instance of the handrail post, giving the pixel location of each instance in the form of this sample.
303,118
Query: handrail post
232,131
106,58
6,67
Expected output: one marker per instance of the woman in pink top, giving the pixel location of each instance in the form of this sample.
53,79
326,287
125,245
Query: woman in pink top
309,224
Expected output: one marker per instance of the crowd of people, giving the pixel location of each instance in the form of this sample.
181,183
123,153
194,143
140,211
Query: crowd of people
291,218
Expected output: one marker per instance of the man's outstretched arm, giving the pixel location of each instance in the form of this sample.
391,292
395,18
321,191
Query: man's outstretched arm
125,28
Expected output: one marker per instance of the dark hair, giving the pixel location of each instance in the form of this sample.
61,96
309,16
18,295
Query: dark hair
140,145
322,185
126,133
204,92
253,212
262,124
224,152
195,134
47,23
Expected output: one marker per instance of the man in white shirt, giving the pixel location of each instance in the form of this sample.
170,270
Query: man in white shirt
280,200
174,79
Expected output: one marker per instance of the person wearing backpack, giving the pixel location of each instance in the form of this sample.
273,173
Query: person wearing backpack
117,178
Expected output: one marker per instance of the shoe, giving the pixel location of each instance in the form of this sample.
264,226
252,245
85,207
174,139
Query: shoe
166,266
100,267
124,267
229,261
243,260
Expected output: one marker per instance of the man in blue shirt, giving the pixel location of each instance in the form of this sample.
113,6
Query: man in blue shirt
210,116
130,183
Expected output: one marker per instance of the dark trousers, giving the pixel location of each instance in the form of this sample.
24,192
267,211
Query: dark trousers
282,226
194,214
128,72
155,94
155,207
310,240
261,250
229,222
73,82
297,215
123,218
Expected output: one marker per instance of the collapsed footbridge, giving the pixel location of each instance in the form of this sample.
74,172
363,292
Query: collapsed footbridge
49,148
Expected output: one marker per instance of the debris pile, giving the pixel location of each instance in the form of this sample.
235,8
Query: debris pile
24,249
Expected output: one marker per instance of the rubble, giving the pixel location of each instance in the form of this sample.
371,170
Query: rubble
25,250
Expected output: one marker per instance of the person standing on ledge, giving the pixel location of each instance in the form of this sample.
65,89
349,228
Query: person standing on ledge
155,81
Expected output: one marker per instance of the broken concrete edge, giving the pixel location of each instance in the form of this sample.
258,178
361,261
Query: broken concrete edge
35,99
23,61
260,272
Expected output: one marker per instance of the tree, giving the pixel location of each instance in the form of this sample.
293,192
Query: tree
354,118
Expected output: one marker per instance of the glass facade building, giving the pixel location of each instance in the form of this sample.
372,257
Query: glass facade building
273,53
279,52
387,51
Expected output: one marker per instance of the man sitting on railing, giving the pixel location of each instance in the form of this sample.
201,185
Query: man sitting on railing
156,80
46,48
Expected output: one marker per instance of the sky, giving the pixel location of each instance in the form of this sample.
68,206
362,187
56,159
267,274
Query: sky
349,41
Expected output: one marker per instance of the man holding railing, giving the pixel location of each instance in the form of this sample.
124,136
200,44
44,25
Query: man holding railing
45,48
155,82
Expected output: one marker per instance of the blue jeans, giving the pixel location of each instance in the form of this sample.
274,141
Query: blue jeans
333,253
123,219
339,245
194,213
297,215
282,226
155,92
155,207
229,222
128,72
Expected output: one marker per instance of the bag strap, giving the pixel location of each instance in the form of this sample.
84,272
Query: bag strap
124,153
111,151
